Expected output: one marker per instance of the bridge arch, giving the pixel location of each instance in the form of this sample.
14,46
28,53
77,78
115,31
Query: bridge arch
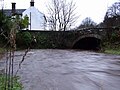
87,42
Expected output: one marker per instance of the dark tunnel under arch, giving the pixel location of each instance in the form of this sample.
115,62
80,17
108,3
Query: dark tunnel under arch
87,43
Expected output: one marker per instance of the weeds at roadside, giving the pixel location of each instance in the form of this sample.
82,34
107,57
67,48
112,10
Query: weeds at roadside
9,80
16,85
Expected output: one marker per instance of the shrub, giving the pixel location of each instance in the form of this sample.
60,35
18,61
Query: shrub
24,39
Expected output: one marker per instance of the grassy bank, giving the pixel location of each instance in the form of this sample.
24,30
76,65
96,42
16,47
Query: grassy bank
112,51
1,52
111,47
16,85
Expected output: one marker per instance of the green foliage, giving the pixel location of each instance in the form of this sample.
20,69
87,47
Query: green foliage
24,22
2,19
5,23
38,40
44,41
2,50
114,37
27,38
24,39
112,51
16,85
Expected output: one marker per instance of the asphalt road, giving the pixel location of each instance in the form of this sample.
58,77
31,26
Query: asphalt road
68,70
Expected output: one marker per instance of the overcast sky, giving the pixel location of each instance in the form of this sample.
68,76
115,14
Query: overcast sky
95,9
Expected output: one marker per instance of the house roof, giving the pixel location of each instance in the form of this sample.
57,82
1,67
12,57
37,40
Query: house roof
8,12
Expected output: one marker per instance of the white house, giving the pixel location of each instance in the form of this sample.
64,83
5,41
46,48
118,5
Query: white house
37,20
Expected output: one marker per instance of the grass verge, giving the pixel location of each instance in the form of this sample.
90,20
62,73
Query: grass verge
2,50
112,51
16,84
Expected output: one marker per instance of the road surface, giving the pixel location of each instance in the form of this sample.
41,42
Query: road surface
68,70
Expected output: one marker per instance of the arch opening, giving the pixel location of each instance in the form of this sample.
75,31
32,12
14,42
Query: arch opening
87,43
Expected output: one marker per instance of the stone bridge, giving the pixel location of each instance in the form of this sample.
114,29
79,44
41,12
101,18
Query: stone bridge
76,39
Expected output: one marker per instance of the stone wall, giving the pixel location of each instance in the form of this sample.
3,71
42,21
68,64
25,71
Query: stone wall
61,39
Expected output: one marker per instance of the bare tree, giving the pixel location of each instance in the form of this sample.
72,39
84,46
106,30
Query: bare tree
87,23
61,15
114,10
112,17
